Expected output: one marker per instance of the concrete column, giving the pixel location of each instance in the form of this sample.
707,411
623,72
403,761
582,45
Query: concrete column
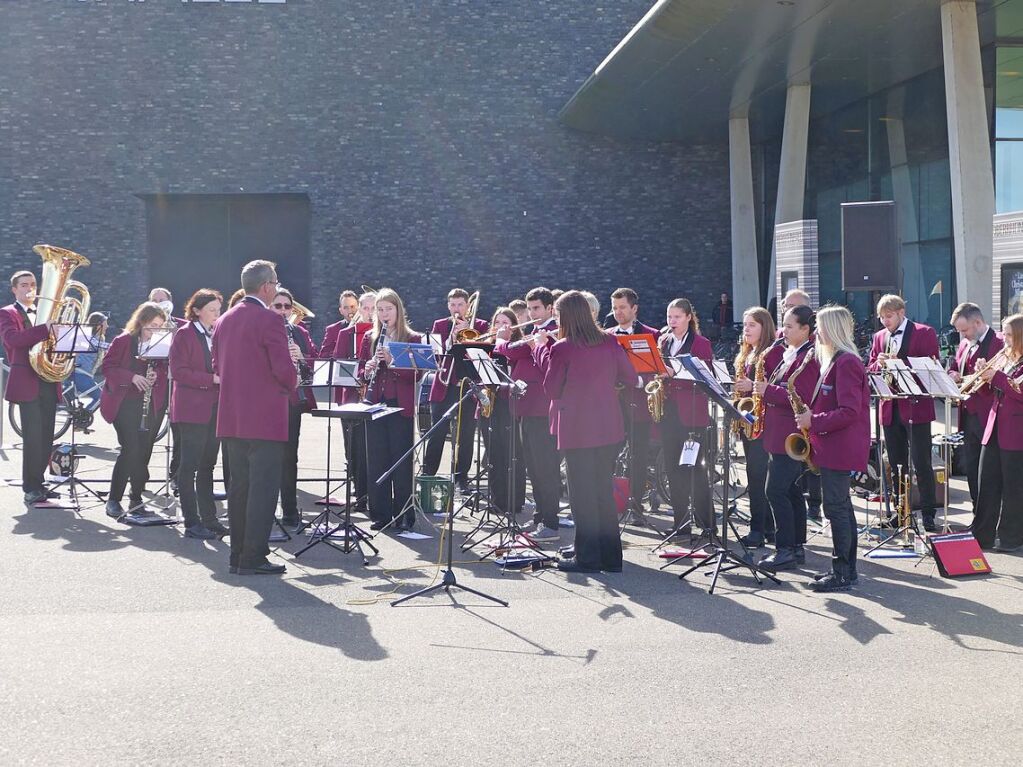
745,264
792,170
973,191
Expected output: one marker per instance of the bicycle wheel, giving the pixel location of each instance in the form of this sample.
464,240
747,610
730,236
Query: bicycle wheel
61,421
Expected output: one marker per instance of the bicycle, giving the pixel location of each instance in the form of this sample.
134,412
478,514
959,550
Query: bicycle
73,408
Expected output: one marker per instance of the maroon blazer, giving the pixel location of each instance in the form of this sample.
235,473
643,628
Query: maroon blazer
634,395
840,427
257,376
979,403
1007,412
920,341
581,380
19,336
194,395
690,403
330,335
535,403
120,364
403,380
442,328
779,421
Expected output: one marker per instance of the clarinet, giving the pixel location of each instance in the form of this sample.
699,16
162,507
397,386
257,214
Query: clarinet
373,376
147,399
300,366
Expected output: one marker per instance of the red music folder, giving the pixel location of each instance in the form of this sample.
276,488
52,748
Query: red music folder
958,554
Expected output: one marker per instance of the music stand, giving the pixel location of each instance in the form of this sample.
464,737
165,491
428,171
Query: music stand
721,557
642,351
331,374
74,339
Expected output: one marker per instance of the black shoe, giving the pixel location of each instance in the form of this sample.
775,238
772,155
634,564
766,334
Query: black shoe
890,523
378,525
782,559
174,487
752,540
567,552
769,539
50,494
264,569
617,569
929,525
199,531
114,509
799,552
35,496
814,515
464,488
291,526
830,583
218,529
1007,548
572,566
821,576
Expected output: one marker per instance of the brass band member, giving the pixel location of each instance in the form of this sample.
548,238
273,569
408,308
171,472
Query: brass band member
784,492
998,517
194,409
581,373
132,384
758,340
978,343
638,423
907,421
387,439
37,399
533,413
686,417
521,311
501,427
301,401
839,425
442,396
347,307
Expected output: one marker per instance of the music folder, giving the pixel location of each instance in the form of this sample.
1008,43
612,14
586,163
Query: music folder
642,351
412,356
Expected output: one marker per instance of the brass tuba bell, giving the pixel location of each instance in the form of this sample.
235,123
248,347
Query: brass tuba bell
53,304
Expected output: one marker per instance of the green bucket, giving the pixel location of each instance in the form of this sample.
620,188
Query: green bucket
434,494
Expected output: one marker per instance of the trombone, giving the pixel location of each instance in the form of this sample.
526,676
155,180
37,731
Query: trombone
464,336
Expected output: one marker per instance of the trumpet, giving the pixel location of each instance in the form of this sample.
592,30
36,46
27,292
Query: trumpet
973,382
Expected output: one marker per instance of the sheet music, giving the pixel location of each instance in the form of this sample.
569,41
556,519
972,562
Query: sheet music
679,370
904,377
158,346
881,387
934,378
709,377
66,339
485,367
722,374
335,373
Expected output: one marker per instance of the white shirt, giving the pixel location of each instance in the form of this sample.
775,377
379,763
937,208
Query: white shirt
207,335
895,339
27,309
675,347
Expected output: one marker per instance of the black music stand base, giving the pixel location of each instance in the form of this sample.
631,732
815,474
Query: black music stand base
448,582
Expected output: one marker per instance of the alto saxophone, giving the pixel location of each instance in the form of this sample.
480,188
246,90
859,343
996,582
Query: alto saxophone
754,404
737,398
797,444
655,398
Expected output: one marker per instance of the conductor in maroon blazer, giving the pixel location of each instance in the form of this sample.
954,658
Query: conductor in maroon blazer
257,377
910,421
36,399
444,396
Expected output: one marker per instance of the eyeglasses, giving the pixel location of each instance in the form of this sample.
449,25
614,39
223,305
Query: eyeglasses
282,306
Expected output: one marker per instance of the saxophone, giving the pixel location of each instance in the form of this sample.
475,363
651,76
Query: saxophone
737,399
797,444
754,404
655,398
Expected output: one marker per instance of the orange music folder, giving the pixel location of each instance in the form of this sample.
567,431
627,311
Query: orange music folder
643,353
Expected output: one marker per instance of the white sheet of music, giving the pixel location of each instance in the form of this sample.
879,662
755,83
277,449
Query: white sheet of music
934,378
335,373
484,365
722,374
73,338
158,346
881,387
679,370
904,377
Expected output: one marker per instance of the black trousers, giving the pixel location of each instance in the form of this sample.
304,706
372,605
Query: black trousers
387,439
761,521
686,482
811,485
973,433
543,464
289,467
999,508
838,508
435,446
175,461
497,431
591,494
897,436
37,419
199,449
355,452
786,498
252,498
132,464
637,435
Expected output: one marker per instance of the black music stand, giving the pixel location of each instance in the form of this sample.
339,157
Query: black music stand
332,374
721,557
448,581
74,339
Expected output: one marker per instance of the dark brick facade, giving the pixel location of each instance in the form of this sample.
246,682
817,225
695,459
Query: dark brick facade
424,133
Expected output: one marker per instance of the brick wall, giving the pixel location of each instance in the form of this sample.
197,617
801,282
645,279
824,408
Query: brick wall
425,135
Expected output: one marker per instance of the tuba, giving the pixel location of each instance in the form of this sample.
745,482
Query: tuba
53,304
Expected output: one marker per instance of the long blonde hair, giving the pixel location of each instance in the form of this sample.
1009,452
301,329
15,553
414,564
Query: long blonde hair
834,334
768,331
401,331
1012,328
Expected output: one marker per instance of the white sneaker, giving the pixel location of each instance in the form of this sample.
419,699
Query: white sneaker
544,533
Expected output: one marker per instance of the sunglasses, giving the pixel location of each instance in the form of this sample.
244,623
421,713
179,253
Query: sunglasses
282,306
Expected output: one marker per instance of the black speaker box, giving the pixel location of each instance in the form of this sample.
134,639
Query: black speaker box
870,247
